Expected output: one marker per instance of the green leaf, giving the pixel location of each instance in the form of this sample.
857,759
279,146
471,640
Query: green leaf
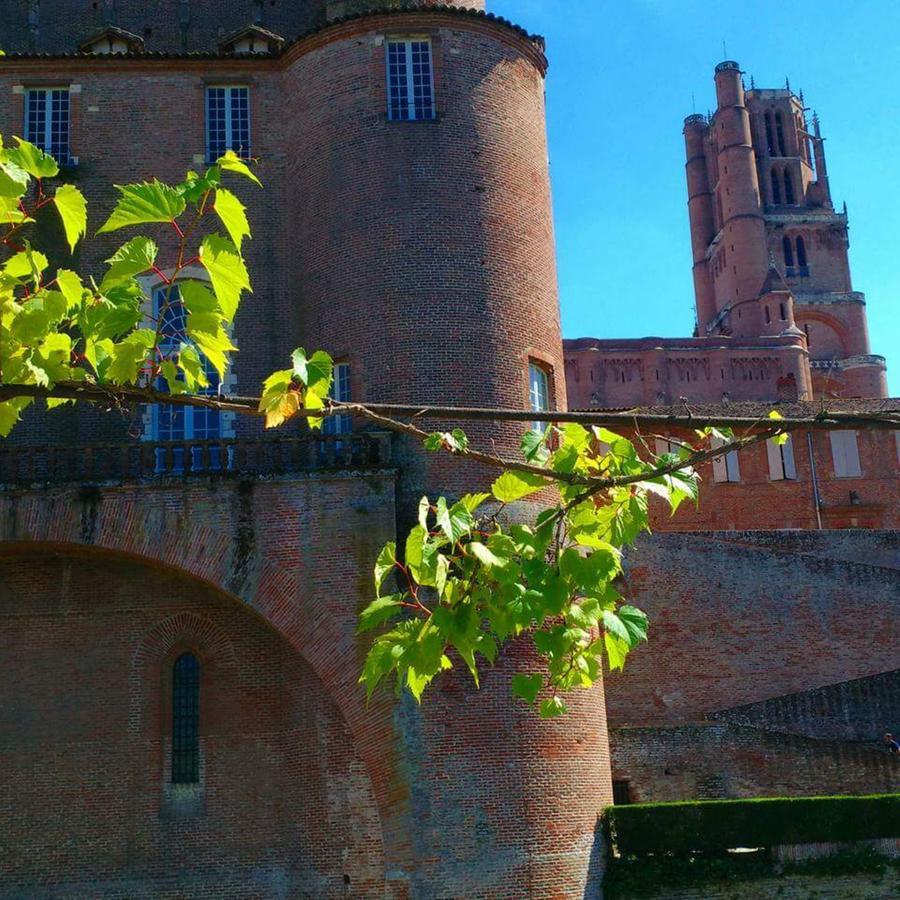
10,412
215,346
133,258
378,612
616,651
527,686
415,544
636,623
512,486
71,287
227,272
320,370
72,209
14,182
553,708
534,445
231,162
780,439
443,518
233,214
192,366
129,355
385,563
140,204
32,160
26,264
472,502
424,509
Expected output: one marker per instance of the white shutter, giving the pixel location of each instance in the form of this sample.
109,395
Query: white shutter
733,466
845,453
720,467
787,455
776,466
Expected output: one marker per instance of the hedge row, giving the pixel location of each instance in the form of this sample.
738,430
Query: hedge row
717,826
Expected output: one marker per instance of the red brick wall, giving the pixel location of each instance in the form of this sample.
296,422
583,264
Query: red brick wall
472,789
741,618
85,737
723,761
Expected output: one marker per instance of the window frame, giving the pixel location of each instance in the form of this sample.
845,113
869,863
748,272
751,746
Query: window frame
727,466
534,397
342,391
782,463
845,457
63,156
229,88
185,760
409,94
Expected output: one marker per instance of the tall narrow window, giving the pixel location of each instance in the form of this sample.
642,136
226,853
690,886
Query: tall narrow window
776,188
726,467
340,391
779,127
801,254
788,188
845,453
788,252
227,121
186,720
538,392
183,424
47,122
410,80
781,460
770,137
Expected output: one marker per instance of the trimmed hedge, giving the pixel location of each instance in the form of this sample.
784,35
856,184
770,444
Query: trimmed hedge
684,829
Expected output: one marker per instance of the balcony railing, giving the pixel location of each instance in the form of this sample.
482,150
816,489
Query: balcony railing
23,466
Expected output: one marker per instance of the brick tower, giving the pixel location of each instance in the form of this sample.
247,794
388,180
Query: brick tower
770,251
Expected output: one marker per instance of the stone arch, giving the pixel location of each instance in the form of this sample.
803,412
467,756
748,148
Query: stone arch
841,338
150,648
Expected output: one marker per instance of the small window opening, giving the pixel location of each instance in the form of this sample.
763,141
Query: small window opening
186,720
779,125
783,311
788,188
776,188
788,252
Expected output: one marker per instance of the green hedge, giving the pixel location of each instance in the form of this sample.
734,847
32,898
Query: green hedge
716,826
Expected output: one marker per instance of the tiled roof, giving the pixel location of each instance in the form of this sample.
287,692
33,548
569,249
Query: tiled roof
750,409
460,12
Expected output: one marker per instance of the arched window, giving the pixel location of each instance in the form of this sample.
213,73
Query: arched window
783,309
788,252
186,720
779,127
770,135
768,316
776,187
788,188
801,253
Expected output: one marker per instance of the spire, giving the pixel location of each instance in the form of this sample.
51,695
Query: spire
752,83
816,127
774,283
802,100
787,83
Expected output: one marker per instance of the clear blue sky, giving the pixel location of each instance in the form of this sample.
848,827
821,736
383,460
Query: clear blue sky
621,81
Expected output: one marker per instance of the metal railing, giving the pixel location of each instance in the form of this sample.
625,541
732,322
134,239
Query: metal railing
23,466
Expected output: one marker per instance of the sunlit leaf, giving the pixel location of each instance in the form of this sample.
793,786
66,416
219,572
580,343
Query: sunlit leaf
140,204
72,209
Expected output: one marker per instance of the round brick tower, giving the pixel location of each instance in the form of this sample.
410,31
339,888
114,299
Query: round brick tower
422,254
423,251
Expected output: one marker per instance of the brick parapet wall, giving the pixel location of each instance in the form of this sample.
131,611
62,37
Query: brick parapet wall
725,760
734,623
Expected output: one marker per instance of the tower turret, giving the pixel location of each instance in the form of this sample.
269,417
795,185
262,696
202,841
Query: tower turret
743,262
702,215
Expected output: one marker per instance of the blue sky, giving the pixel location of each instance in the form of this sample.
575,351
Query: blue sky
621,81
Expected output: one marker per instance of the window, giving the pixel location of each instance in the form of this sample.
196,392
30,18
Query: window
801,253
845,453
621,792
664,445
776,188
186,720
788,252
410,80
770,139
779,127
47,121
781,460
725,468
768,316
227,121
538,392
340,391
782,309
788,188
182,423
